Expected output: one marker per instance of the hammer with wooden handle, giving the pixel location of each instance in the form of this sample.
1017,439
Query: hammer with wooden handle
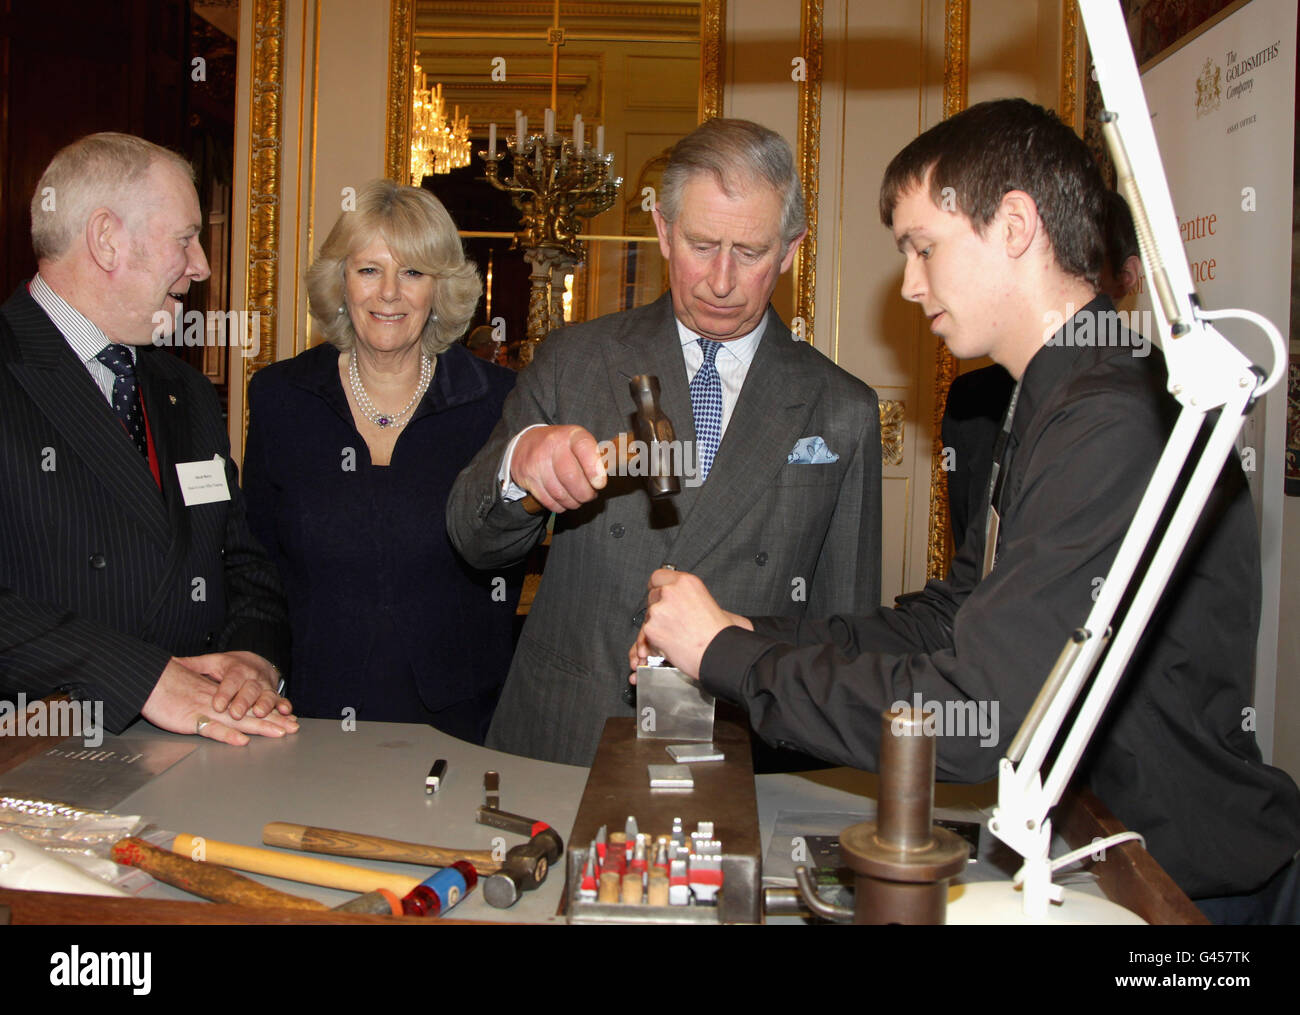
307,869
372,847
205,880
654,434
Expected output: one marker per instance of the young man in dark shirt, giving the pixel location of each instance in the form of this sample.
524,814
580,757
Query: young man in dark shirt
998,213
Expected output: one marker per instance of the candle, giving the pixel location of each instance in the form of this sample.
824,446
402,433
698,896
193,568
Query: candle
578,131
523,131
492,139
537,159
519,130
600,140
550,125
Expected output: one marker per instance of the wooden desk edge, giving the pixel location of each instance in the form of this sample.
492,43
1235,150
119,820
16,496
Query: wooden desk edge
14,750
1130,876
35,908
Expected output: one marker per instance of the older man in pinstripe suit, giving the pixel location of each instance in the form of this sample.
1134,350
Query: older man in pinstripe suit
121,581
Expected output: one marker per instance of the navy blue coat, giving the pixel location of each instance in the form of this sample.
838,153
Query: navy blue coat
387,619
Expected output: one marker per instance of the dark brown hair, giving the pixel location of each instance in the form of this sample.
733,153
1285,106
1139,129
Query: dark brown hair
1120,234
1009,144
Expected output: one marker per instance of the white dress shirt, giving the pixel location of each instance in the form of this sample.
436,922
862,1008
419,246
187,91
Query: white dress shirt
82,337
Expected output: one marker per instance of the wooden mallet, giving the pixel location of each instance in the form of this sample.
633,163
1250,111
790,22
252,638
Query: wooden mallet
372,847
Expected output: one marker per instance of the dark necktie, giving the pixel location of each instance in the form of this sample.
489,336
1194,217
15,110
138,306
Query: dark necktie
126,394
706,404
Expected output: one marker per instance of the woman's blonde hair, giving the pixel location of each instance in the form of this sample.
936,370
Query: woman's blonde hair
421,235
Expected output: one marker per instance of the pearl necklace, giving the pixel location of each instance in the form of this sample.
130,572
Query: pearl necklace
367,407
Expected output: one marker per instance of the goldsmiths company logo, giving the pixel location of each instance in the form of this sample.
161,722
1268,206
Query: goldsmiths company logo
1207,89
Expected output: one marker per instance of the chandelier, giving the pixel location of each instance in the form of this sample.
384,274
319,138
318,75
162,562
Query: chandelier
436,145
556,183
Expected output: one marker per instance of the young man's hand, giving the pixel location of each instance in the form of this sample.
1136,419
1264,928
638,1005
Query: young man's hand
682,618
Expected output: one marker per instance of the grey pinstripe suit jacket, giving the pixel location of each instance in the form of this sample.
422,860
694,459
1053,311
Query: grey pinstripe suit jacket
99,570
769,538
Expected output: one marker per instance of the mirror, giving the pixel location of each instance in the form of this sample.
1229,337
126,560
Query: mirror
646,72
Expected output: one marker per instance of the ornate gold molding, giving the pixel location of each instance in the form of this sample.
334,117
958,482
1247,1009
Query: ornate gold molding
808,158
713,30
956,50
397,157
1068,108
543,8
892,415
261,285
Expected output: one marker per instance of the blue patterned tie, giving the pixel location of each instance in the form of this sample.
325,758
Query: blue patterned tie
126,395
706,404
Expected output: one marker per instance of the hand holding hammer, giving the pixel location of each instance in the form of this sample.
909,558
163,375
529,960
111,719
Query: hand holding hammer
562,467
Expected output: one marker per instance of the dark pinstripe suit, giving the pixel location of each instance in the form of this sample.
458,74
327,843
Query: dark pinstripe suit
99,570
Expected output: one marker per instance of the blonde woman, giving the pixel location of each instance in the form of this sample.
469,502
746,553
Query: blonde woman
352,448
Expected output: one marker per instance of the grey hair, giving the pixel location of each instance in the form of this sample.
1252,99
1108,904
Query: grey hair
421,235
735,153
97,171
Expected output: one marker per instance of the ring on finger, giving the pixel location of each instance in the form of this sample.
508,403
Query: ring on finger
203,721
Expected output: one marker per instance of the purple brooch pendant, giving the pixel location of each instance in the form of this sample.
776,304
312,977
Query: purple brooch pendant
382,421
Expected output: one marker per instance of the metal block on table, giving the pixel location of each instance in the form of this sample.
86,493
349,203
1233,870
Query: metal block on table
671,706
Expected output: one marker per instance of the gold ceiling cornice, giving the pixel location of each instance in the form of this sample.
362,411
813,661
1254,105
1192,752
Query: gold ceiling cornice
462,19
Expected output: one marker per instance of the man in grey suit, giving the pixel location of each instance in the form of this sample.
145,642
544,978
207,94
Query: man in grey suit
128,576
780,506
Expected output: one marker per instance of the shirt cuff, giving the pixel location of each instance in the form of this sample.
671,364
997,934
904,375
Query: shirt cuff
510,490
728,659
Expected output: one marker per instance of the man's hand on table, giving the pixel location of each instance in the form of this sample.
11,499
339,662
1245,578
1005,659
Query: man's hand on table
682,618
560,466
222,696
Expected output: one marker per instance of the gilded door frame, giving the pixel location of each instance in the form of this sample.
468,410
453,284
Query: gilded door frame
262,279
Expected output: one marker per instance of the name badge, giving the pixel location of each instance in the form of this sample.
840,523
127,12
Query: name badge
203,482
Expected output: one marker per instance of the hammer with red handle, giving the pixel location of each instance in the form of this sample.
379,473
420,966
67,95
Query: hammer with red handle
654,432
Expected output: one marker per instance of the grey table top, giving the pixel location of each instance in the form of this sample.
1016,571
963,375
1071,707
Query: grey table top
370,779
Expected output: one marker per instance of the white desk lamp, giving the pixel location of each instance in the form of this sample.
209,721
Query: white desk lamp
1206,373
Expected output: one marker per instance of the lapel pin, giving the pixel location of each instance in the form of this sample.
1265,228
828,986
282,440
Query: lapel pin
172,399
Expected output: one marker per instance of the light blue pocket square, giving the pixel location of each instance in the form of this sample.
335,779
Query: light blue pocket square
811,451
